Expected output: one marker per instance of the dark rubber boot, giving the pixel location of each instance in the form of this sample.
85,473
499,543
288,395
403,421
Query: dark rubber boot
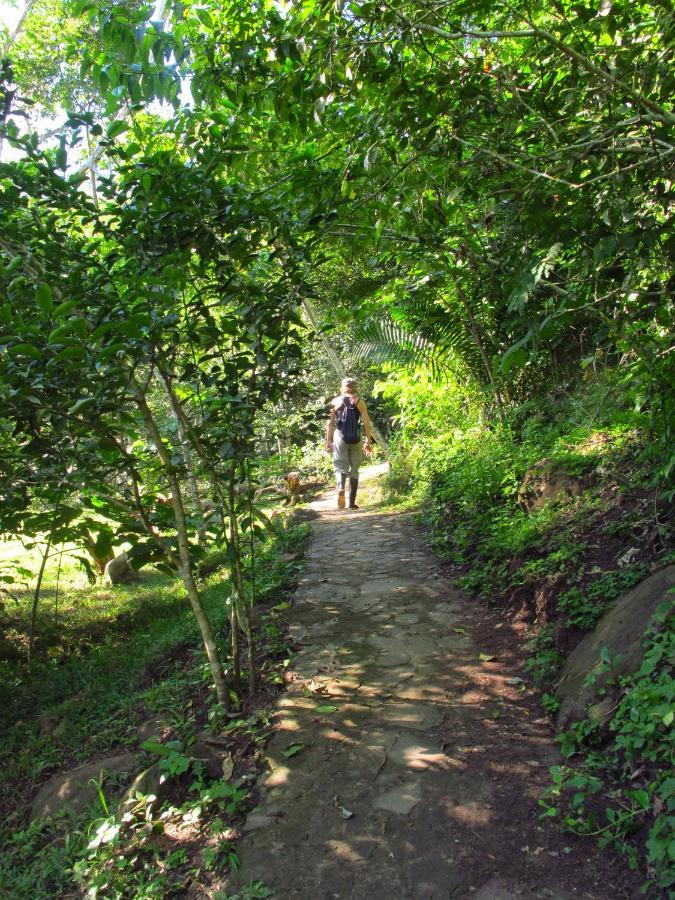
353,488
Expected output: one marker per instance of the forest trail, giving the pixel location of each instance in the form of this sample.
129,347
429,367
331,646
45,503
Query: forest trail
407,756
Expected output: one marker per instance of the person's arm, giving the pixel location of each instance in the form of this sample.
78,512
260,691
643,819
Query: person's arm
330,428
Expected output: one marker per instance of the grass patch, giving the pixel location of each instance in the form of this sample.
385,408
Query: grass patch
124,655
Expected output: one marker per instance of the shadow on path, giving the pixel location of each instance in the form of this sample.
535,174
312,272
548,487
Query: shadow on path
419,764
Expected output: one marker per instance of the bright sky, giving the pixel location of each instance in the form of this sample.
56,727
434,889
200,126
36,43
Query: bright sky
9,14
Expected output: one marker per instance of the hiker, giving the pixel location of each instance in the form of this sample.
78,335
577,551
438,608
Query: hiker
343,439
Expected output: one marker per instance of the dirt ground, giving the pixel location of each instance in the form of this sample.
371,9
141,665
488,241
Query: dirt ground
408,754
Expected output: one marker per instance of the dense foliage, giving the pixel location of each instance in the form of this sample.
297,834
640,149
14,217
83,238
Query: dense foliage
473,200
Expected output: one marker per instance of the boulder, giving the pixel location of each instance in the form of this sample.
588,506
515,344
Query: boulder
543,483
119,570
150,781
76,789
621,630
153,729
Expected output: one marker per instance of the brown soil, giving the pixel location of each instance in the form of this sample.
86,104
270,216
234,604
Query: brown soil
407,754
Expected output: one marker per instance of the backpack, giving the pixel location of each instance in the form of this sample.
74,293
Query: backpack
347,418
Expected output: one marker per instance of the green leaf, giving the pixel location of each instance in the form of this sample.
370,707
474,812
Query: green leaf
119,126
293,749
57,335
156,747
43,296
64,308
326,710
26,350
69,353
204,17
81,404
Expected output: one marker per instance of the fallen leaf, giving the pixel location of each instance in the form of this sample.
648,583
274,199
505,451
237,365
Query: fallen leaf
293,749
459,630
486,657
228,767
628,557
326,710
315,688
345,813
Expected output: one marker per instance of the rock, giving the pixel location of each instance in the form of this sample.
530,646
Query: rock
119,570
75,789
543,483
152,730
621,630
210,755
150,781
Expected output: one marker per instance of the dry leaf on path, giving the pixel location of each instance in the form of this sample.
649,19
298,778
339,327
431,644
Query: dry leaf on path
345,813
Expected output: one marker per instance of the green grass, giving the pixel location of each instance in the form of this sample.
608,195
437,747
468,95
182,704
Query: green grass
107,660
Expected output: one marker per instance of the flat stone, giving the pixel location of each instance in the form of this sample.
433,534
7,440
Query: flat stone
418,716
400,799
445,615
412,752
75,789
257,820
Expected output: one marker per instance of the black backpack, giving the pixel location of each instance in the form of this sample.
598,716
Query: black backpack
347,418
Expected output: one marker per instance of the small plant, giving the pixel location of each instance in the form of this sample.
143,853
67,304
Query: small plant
585,606
544,665
221,857
622,784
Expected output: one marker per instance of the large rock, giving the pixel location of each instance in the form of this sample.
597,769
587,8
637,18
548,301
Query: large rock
621,630
151,781
543,483
119,570
76,789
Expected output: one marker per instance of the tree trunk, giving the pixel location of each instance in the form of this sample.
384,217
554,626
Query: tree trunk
338,366
187,459
243,616
243,610
36,598
184,559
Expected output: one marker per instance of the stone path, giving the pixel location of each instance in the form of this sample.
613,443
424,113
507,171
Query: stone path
418,762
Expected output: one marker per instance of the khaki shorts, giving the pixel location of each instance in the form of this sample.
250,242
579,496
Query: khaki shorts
346,457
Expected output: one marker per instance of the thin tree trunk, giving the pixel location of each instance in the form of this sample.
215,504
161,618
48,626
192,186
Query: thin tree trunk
92,171
36,597
227,502
184,560
338,365
234,643
243,611
187,459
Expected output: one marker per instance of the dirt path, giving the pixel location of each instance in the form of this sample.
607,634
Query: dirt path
423,781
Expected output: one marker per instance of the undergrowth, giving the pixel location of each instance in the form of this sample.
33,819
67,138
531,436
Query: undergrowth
558,569
91,702
619,785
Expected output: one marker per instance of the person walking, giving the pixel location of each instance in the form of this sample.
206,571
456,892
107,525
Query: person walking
343,439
